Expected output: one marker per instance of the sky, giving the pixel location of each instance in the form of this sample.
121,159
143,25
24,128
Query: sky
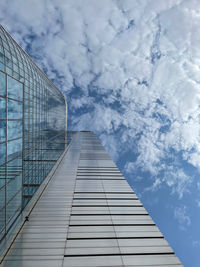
130,70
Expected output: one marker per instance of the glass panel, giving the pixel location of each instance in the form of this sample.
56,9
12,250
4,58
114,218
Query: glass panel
8,61
2,108
14,168
15,89
14,129
14,148
2,211
15,67
2,153
13,208
1,57
13,186
2,176
2,84
1,66
14,109
8,70
2,131
2,201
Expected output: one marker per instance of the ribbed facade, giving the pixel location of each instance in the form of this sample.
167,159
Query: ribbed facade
88,215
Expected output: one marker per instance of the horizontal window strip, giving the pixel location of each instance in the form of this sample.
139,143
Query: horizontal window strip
98,168
89,174
103,192
92,155
120,254
110,214
94,179
113,224
96,198
107,206
99,171
27,196
115,238
86,174
96,171
92,150
95,157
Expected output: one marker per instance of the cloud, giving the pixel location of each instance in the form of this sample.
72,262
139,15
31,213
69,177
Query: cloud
178,181
198,203
196,243
130,71
156,184
180,213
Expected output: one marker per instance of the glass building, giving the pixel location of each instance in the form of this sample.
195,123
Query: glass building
63,201
32,129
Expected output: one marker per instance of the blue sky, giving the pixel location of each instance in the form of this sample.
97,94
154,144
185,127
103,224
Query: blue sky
131,73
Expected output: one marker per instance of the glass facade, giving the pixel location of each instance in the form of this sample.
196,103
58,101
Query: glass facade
32,129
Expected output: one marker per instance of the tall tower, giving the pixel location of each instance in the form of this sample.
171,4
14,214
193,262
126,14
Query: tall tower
64,203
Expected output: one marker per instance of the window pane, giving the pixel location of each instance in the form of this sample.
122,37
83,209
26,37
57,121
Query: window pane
13,186
2,177
8,61
13,208
14,129
2,108
14,148
14,168
2,153
2,195
2,211
2,131
1,56
1,66
2,84
8,70
14,109
15,89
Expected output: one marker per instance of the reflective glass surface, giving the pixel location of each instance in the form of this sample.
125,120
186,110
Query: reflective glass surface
2,153
32,129
14,109
15,129
2,84
14,149
2,108
15,89
2,131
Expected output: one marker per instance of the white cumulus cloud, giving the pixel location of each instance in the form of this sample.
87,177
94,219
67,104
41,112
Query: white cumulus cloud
130,71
